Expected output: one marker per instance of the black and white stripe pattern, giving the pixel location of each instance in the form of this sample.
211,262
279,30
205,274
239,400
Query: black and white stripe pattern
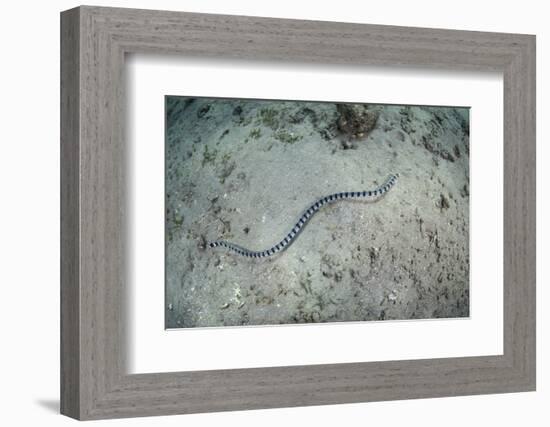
372,195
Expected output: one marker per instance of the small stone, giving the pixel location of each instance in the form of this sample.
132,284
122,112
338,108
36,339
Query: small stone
443,202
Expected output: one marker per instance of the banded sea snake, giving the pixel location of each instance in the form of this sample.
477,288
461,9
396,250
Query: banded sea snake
306,216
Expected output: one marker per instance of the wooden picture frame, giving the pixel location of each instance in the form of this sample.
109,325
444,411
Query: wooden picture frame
94,382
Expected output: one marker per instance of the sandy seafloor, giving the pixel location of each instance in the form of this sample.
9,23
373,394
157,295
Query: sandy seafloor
245,170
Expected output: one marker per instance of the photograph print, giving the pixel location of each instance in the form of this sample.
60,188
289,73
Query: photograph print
289,212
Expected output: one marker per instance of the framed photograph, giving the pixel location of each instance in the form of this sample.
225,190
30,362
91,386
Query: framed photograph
263,213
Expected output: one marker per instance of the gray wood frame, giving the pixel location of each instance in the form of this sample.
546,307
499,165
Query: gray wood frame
94,382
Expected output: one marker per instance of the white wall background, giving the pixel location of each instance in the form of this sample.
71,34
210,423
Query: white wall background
29,224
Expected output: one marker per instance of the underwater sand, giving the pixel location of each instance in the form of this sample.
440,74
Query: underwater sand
245,170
